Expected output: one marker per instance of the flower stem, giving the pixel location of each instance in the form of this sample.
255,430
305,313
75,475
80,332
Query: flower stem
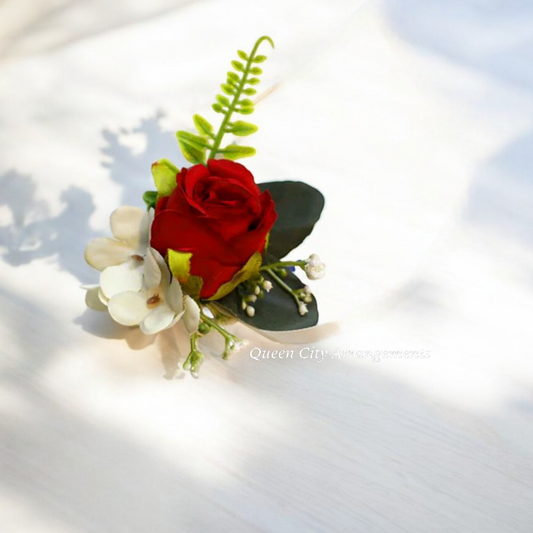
282,284
232,343
195,358
283,264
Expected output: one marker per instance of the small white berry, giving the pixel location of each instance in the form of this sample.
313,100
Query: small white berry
250,311
314,268
267,285
302,309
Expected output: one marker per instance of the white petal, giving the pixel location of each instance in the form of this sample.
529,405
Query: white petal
174,296
146,229
129,225
92,300
165,271
159,319
103,298
177,318
121,278
104,252
149,221
191,318
152,270
128,308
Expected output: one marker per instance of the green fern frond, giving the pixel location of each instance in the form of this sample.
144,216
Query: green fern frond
237,84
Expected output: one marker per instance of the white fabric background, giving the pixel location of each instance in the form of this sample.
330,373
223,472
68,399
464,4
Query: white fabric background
414,119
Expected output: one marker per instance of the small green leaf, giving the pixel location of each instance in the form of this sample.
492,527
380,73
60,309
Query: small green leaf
233,77
242,128
245,102
150,199
222,100
164,173
237,65
253,81
259,59
192,139
245,110
242,55
228,89
217,108
203,126
256,71
192,147
235,151
249,91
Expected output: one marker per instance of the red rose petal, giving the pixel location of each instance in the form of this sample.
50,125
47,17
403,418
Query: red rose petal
233,171
172,230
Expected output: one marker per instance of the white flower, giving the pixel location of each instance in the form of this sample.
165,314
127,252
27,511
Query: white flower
136,286
159,304
120,259
314,268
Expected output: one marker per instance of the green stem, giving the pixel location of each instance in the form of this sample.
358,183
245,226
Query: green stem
230,341
215,325
283,264
283,285
195,359
238,92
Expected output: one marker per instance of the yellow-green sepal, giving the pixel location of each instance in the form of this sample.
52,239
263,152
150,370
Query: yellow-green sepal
251,268
164,173
180,266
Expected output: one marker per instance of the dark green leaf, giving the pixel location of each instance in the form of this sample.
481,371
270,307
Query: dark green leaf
242,128
237,65
150,198
256,71
203,126
235,151
242,55
259,59
299,207
277,311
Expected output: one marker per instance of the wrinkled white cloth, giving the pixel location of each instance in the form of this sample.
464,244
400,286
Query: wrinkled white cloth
414,119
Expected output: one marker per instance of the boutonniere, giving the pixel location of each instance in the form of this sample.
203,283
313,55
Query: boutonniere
208,249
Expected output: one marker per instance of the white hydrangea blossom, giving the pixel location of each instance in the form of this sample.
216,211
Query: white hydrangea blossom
136,285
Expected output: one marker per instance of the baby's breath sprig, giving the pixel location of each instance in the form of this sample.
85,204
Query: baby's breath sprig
238,84
313,267
232,343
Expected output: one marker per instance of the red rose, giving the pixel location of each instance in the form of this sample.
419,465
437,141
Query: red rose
218,214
